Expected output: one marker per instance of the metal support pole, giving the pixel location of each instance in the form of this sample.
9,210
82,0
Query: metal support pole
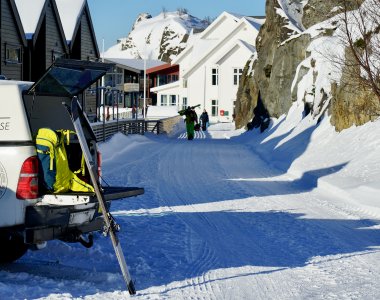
104,115
144,89
117,109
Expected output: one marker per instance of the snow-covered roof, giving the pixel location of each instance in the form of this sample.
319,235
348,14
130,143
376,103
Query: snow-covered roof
247,45
137,64
216,44
202,39
238,44
167,86
70,12
255,22
30,13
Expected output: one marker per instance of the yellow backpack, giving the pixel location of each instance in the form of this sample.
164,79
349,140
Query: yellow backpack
54,166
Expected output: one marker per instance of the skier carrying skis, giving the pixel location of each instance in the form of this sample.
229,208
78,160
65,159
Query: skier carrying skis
191,118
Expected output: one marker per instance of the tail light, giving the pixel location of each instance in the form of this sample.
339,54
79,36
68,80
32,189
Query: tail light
27,187
99,163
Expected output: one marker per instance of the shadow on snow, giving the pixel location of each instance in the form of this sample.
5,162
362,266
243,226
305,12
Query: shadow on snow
266,239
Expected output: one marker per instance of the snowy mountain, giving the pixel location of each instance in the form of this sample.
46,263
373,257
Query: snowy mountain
162,37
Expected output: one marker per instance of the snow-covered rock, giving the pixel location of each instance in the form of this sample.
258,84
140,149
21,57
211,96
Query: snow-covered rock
161,37
306,60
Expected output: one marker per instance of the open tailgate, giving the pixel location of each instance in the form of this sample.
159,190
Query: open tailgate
69,77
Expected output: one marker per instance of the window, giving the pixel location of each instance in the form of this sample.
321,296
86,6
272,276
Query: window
161,80
56,54
184,102
214,77
173,100
113,78
184,83
214,108
13,54
128,100
119,79
164,100
237,75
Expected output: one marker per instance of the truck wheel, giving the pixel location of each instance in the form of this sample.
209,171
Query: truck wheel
12,246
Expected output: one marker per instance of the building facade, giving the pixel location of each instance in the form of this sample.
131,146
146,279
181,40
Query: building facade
81,41
44,34
12,41
128,77
211,66
158,76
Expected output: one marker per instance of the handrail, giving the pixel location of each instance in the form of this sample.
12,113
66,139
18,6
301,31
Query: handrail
103,131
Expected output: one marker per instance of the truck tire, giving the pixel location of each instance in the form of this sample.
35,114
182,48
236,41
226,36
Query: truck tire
12,246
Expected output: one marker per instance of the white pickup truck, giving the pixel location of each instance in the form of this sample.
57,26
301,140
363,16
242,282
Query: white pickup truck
29,216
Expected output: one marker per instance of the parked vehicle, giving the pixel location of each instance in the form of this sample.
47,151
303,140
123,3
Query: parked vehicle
29,215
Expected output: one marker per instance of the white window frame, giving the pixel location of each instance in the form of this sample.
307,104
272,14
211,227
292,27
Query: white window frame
237,75
214,108
184,102
164,100
214,76
171,98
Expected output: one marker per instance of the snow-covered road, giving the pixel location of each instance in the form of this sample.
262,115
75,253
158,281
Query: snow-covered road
216,222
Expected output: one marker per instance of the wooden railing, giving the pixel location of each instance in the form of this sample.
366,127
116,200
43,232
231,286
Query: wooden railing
105,130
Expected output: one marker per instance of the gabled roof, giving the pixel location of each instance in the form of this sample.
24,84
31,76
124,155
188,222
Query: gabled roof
243,23
70,12
18,22
233,47
220,19
255,22
207,32
32,13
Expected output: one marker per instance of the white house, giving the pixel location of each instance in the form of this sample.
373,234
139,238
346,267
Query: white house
211,66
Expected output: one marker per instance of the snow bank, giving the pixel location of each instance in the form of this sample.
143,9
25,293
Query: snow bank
345,163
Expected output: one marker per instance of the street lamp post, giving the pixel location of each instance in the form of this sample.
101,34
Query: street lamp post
144,108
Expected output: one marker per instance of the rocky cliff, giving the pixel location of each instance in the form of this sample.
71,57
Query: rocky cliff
161,37
296,62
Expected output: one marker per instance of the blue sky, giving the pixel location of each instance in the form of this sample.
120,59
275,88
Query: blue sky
113,19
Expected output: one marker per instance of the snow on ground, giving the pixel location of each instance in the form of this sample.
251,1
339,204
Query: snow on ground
292,213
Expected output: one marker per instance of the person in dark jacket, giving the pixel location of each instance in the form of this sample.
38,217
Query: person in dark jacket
191,118
204,120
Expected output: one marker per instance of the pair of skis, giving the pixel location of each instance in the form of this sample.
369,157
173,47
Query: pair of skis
111,226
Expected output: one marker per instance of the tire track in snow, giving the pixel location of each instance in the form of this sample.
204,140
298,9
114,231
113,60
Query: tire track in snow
187,188
191,190
180,192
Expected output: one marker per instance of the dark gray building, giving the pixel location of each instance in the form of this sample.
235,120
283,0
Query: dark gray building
12,40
